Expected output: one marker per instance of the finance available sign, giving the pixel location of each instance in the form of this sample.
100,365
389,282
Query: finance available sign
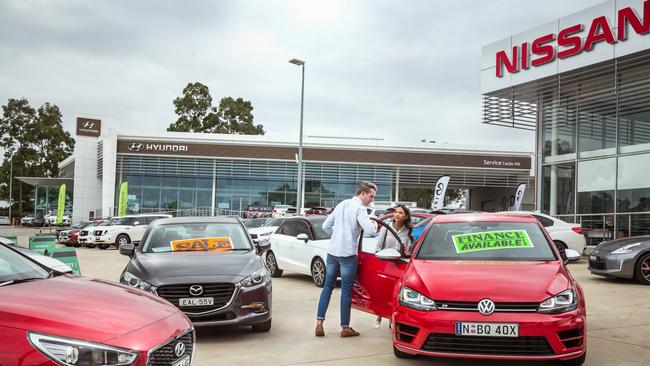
490,240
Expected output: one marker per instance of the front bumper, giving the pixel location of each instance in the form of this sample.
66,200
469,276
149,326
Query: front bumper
541,336
247,306
103,239
612,265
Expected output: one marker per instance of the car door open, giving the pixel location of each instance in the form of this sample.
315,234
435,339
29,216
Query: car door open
374,289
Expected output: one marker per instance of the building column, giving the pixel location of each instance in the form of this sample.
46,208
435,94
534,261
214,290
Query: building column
214,186
397,185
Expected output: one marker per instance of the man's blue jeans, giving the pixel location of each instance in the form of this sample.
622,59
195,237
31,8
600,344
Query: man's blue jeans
347,267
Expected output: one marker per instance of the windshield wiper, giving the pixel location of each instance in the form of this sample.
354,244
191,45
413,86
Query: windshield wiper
21,280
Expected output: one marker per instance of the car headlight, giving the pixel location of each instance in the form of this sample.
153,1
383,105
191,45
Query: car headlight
626,249
259,276
72,352
560,303
135,282
415,300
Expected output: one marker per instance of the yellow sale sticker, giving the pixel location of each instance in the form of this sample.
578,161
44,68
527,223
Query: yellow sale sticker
202,244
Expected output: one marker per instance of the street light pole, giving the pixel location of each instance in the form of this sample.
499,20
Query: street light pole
299,187
11,179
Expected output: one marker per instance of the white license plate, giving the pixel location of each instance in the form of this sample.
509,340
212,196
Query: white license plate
185,361
592,257
487,329
196,301
97,238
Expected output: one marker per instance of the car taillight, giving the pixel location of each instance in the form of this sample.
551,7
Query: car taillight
577,229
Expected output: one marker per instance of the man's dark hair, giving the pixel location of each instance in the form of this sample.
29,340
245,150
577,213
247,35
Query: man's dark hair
366,186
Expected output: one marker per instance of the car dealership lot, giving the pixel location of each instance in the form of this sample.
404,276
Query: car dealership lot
618,325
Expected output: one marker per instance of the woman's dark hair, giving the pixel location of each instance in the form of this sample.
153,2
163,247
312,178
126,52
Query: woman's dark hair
407,219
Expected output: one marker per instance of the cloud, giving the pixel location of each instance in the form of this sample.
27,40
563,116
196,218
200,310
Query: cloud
397,70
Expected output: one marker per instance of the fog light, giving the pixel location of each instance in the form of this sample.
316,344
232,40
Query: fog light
255,306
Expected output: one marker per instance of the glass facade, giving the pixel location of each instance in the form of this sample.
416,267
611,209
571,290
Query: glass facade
595,148
172,184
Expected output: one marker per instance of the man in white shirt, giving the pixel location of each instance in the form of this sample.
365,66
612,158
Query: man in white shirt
345,225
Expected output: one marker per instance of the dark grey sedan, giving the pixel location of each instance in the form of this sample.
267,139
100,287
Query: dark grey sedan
206,266
625,258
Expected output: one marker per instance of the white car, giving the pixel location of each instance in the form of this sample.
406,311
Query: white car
565,235
128,229
299,245
50,219
26,220
85,235
279,210
265,231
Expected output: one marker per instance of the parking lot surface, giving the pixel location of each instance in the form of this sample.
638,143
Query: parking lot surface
618,325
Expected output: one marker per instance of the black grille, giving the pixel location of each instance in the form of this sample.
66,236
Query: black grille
406,333
571,338
503,307
222,292
597,264
477,345
165,356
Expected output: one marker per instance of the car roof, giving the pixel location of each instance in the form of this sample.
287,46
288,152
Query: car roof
485,216
197,220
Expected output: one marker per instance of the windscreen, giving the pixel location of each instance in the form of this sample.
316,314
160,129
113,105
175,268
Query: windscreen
274,222
196,237
14,266
485,241
254,223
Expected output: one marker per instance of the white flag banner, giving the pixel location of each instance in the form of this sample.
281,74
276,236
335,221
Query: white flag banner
439,190
519,196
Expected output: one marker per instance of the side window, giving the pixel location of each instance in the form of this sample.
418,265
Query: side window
417,219
545,221
295,227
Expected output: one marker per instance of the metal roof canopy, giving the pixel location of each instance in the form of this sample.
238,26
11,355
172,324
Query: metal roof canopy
46,182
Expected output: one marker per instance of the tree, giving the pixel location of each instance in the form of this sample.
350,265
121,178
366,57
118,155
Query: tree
37,142
231,116
192,108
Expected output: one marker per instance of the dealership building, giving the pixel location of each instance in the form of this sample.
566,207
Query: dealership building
205,174
582,82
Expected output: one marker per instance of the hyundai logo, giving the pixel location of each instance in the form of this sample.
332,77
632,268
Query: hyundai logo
179,349
136,146
196,290
486,307
89,124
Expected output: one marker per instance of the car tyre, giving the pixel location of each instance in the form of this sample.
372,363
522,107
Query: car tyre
561,247
89,245
575,361
272,264
121,239
103,246
400,354
642,269
262,327
76,245
318,272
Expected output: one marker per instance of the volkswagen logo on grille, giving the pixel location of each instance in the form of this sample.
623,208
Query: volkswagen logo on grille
196,290
486,307
136,146
179,349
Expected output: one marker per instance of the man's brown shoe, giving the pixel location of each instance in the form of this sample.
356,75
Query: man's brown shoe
319,330
348,332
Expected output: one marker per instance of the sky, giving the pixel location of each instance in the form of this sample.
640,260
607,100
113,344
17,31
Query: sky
401,71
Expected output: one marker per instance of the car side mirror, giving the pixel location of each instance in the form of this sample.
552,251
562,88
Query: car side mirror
303,237
389,254
127,250
571,255
262,246
136,223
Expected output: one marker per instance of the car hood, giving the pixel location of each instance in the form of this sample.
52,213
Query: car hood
263,229
81,308
182,267
501,281
612,245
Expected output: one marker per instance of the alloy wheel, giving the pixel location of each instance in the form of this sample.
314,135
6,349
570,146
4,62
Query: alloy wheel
645,268
318,272
270,262
122,240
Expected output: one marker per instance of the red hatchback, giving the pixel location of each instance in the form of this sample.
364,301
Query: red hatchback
488,286
50,319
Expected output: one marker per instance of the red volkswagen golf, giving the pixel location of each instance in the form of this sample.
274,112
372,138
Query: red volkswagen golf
488,286
50,319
